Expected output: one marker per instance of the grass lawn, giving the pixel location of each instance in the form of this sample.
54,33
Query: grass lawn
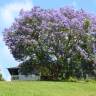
44,88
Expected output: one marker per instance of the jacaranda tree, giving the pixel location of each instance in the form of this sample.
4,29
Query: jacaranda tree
58,43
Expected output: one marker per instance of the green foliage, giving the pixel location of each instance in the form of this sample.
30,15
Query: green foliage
1,78
72,79
86,24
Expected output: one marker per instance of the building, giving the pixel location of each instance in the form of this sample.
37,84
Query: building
16,75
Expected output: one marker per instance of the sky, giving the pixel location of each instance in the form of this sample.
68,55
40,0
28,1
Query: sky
9,10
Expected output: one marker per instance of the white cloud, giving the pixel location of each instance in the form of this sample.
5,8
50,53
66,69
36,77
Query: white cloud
9,11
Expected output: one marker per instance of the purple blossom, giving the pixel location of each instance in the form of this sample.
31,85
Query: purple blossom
46,25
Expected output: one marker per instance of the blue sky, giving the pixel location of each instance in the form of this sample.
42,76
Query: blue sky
9,9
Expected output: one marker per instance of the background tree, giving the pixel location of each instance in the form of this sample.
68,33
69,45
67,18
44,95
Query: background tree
1,78
58,40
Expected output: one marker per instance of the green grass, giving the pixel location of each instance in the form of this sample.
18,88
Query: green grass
44,88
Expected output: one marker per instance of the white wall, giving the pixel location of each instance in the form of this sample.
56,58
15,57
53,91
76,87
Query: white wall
26,77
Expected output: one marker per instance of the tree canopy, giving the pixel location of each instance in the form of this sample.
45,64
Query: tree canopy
59,40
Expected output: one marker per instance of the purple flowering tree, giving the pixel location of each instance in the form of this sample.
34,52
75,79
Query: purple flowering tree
59,40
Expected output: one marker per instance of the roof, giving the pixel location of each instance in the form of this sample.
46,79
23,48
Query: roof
13,70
